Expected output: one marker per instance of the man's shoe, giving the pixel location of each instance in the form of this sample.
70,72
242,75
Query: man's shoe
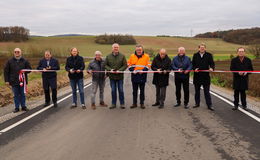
156,104
186,106
245,108
73,105
55,105
177,105
83,106
103,104
211,108
46,104
161,107
142,106
235,108
196,106
133,106
113,106
16,110
25,108
93,106
122,106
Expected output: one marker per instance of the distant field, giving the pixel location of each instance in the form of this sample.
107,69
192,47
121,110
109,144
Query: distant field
221,50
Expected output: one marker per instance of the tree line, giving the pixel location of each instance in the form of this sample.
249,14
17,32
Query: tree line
239,36
115,38
14,33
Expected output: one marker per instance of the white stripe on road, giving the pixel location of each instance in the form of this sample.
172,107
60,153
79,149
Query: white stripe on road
230,103
35,114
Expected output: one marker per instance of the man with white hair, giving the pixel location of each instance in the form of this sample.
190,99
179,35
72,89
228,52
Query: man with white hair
98,79
11,74
182,63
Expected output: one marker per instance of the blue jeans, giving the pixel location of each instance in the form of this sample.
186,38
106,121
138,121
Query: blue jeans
117,84
74,83
19,96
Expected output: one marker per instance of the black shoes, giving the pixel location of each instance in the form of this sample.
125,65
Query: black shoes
156,104
122,106
16,110
55,105
235,108
211,108
177,105
46,104
112,106
73,106
142,106
186,106
196,106
245,108
25,108
161,107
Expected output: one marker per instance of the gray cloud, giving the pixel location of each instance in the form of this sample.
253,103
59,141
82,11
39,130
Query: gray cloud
139,17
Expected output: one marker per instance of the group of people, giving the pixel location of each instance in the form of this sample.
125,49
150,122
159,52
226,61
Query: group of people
114,66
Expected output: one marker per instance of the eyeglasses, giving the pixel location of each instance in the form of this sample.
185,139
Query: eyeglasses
16,51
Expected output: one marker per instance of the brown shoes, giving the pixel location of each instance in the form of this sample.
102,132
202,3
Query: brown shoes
103,104
93,106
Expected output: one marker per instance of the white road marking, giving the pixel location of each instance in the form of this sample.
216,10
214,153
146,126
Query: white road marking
35,114
230,103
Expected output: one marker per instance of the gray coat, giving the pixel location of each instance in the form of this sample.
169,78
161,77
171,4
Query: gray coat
95,65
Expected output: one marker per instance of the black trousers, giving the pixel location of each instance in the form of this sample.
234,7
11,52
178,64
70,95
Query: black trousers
242,96
141,86
185,84
160,94
47,95
206,89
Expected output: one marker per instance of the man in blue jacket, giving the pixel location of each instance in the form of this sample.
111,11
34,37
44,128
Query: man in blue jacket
49,79
182,63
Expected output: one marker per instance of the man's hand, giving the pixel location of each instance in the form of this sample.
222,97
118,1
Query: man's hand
72,71
210,69
245,73
44,69
197,70
7,83
241,73
186,72
160,71
78,71
89,72
164,71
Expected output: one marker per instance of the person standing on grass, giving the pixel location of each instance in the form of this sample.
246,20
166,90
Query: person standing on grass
182,63
11,76
240,80
202,60
161,80
49,79
114,62
138,62
98,79
75,66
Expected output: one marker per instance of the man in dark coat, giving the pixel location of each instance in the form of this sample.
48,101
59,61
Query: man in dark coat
240,79
182,63
202,60
75,66
98,79
49,79
161,80
11,75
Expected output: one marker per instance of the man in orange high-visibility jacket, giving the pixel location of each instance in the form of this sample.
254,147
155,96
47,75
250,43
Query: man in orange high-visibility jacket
138,62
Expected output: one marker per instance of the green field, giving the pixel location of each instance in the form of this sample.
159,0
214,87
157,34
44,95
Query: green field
61,45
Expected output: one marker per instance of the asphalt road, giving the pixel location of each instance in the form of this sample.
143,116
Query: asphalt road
133,134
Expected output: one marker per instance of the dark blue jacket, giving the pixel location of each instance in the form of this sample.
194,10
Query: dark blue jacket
54,64
181,62
75,63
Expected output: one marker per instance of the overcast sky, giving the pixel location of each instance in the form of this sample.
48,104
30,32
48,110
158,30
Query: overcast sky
138,17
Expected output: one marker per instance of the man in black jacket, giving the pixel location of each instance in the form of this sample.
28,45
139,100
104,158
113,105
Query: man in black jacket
49,79
75,66
11,75
240,80
202,60
161,80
